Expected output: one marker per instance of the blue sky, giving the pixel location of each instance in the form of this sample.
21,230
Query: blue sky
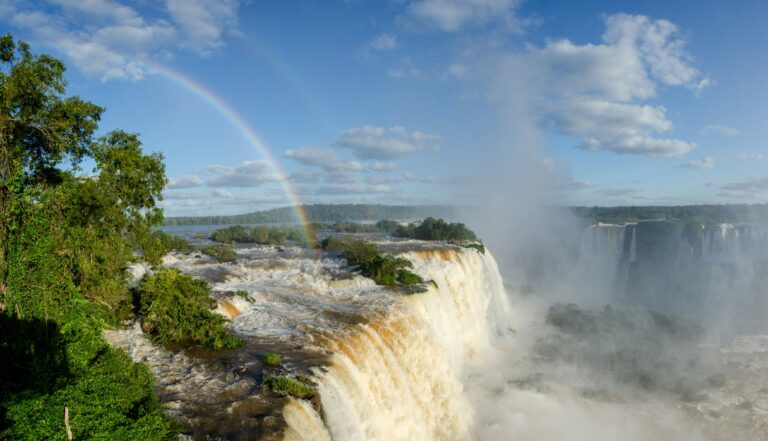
425,101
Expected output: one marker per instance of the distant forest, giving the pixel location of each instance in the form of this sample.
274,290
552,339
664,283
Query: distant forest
322,213
704,214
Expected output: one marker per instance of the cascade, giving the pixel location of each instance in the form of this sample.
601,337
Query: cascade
399,375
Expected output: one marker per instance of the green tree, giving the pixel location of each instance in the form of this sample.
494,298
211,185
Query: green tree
66,237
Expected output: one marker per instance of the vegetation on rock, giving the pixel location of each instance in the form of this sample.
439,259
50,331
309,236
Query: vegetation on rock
222,254
261,235
384,269
435,229
289,386
177,309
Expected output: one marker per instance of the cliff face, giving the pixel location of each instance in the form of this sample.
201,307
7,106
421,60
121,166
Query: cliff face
707,271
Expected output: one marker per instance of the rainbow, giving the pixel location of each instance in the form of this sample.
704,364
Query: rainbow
226,110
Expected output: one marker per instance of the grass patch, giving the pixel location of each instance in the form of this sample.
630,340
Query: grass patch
289,386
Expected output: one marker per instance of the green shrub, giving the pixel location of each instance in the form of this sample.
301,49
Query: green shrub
289,386
176,309
271,359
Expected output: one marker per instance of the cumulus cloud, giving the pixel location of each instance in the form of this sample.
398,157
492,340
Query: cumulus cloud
112,40
247,174
595,91
369,142
721,130
453,15
184,182
699,164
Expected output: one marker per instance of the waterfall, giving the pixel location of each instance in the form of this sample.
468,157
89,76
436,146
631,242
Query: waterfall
399,375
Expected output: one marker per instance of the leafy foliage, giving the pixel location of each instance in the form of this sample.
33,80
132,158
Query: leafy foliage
289,386
65,241
176,309
435,229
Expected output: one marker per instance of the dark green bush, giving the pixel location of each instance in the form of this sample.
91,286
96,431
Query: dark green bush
289,386
176,309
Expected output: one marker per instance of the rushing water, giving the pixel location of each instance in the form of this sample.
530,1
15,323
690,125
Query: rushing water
456,362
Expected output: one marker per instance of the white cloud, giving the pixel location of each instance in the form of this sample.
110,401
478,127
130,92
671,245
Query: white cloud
219,193
595,91
721,130
323,158
184,182
203,21
112,40
369,142
247,174
699,164
453,15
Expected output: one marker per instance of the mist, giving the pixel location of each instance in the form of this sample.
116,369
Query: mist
638,332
